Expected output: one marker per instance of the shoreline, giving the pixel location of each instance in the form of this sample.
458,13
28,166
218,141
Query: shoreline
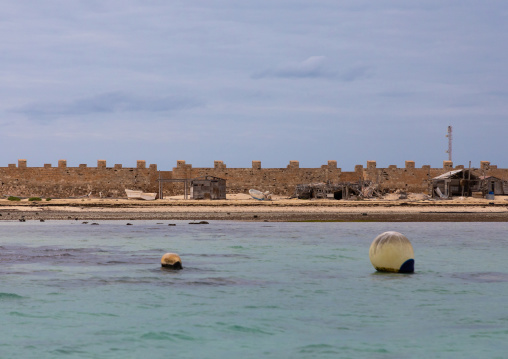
280,210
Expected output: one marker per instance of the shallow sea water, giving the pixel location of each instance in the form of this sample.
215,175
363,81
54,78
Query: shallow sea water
250,290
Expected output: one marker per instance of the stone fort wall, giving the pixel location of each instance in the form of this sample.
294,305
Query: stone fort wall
64,182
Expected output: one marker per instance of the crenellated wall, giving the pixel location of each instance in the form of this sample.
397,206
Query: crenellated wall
282,181
63,181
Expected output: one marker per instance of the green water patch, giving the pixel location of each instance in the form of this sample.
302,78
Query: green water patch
292,290
10,296
26,315
167,336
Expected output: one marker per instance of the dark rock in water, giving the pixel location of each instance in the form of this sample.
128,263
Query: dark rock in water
160,223
171,224
202,222
84,223
22,220
41,220
129,224
95,224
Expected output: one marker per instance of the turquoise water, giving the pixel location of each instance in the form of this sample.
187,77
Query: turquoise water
250,290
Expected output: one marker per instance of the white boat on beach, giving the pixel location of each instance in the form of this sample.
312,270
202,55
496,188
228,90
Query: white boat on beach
260,196
133,194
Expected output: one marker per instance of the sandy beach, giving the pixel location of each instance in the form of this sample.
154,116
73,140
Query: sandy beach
416,208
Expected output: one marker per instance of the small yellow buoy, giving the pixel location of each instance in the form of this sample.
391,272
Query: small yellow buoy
171,260
392,252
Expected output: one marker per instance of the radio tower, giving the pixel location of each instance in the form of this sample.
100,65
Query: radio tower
449,135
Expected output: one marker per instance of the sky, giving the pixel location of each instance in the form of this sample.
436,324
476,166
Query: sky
242,81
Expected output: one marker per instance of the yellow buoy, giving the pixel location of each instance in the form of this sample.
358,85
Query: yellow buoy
392,252
171,260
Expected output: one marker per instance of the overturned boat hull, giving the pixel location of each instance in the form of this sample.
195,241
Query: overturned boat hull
133,194
260,196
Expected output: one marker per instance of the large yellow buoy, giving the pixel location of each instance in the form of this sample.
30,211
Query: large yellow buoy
392,252
171,260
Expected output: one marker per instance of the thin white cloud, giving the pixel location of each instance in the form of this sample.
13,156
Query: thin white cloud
356,73
314,66
112,102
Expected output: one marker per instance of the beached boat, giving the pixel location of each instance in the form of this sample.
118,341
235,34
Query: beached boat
260,196
257,194
148,196
132,194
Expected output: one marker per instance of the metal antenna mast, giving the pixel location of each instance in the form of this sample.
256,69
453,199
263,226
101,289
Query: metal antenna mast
449,135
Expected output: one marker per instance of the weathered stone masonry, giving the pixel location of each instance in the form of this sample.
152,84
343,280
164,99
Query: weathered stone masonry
63,181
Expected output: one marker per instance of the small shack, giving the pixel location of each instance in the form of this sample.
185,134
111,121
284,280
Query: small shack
343,190
494,185
459,182
208,187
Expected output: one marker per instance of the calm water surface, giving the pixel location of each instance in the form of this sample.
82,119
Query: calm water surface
250,290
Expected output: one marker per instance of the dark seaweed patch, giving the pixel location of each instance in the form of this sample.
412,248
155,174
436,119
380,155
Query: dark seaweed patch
483,277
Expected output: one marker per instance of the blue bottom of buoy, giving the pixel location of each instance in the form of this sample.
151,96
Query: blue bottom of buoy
408,266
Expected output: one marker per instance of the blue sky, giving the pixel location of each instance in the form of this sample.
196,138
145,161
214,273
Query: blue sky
239,81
